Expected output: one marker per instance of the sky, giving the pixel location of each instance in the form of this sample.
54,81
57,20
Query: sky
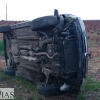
31,9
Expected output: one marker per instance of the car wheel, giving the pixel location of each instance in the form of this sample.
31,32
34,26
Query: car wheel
49,90
43,22
5,29
10,72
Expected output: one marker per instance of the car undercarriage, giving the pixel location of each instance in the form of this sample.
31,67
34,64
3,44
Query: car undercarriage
49,51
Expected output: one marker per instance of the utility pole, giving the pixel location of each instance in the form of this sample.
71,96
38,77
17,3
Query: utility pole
6,11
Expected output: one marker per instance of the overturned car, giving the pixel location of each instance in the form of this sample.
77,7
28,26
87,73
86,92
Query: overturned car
49,51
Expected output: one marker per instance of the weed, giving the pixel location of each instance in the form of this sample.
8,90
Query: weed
92,85
81,97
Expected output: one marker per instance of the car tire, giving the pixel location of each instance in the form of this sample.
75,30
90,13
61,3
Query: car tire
43,22
10,72
5,51
48,90
5,29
